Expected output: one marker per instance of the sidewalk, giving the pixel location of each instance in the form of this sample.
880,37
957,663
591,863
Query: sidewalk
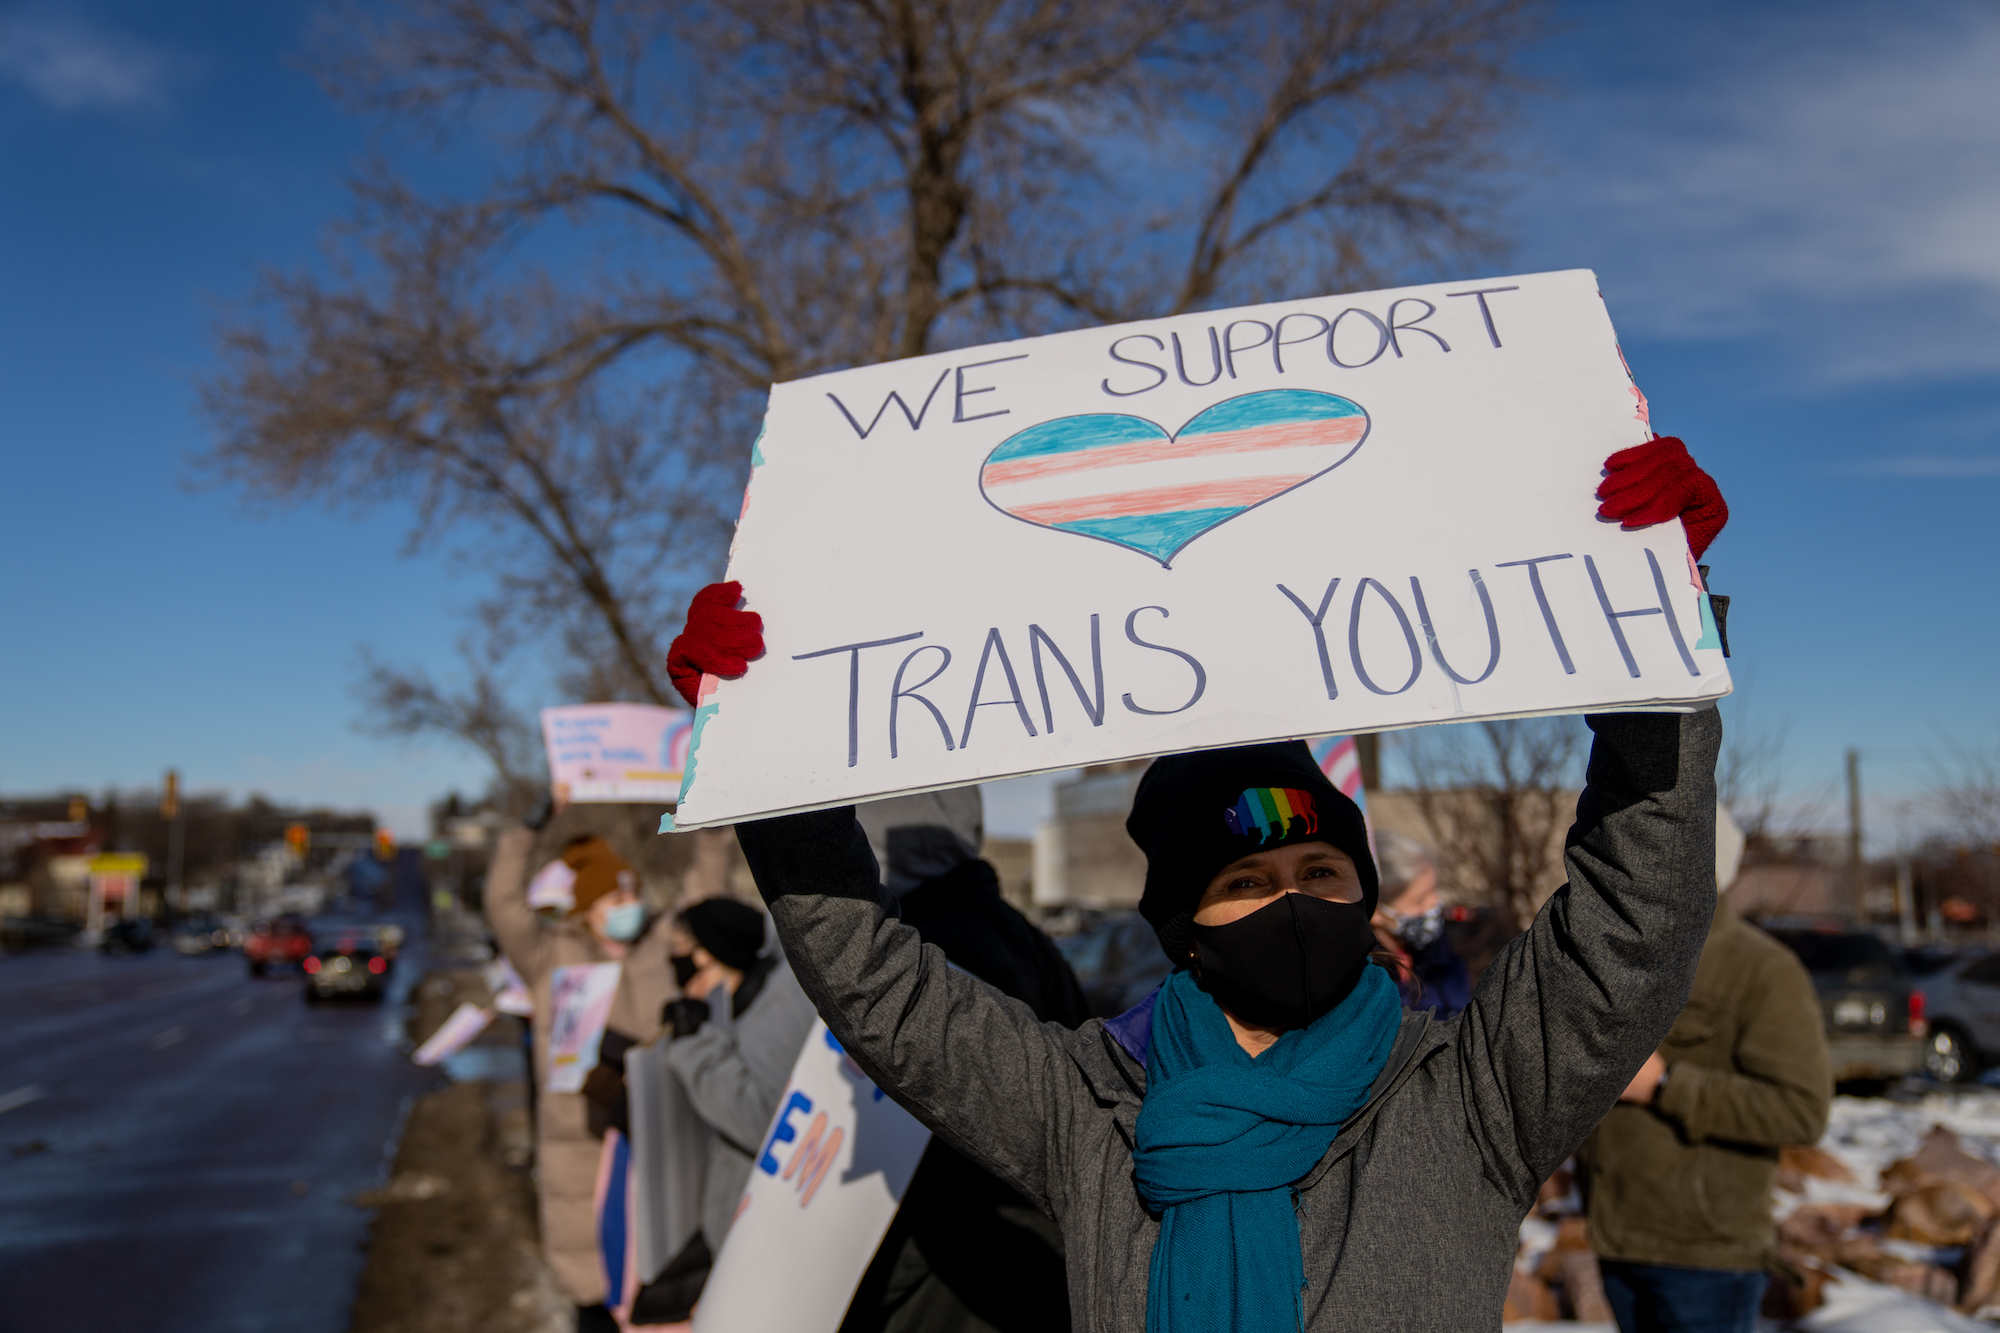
455,1247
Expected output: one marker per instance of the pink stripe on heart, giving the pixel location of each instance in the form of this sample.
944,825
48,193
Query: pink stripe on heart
1162,499
1340,430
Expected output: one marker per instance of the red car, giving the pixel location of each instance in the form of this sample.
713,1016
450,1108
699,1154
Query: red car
277,942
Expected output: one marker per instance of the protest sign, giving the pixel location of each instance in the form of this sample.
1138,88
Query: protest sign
510,993
554,885
1340,759
832,1168
1343,514
616,752
579,1006
454,1034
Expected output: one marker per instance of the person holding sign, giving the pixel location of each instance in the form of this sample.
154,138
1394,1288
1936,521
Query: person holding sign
572,968
732,1039
1265,1143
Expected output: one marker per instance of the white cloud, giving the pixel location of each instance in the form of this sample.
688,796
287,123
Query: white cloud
71,67
1831,180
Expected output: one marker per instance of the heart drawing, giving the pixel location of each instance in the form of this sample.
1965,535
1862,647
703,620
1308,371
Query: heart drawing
1123,479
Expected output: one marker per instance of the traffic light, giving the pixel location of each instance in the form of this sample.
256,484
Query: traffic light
299,838
385,844
170,796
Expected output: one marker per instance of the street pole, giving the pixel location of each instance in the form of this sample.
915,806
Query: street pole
170,806
1368,754
1906,910
1854,869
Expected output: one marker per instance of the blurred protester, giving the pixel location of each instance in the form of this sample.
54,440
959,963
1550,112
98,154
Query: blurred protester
733,1037
647,982
967,1252
1677,1180
556,959
1409,923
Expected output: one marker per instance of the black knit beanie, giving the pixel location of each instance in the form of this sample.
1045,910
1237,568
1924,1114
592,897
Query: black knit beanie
732,931
1196,813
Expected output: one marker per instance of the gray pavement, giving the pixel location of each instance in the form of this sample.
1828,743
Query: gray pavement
179,1142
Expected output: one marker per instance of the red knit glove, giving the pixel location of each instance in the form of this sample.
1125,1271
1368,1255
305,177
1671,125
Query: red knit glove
1653,482
719,639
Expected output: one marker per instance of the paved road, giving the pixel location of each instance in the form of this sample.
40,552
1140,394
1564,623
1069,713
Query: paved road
178,1143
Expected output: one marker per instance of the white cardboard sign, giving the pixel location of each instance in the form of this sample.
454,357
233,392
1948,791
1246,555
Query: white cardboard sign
828,1178
580,997
454,1034
1342,514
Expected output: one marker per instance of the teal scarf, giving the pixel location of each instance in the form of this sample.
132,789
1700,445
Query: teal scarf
1221,1136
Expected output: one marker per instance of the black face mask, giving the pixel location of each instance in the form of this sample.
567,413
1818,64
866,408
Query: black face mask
1288,962
684,968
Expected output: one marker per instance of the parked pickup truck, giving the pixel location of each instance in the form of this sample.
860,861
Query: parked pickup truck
1875,1024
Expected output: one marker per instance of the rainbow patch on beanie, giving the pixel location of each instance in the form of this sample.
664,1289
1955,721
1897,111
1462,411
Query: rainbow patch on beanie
1268,813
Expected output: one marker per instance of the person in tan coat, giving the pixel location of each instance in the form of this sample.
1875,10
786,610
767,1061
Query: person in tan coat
1677,1179
606,918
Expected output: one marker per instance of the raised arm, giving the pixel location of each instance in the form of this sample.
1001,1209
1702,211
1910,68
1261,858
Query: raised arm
515,927
1569,1011
974,1066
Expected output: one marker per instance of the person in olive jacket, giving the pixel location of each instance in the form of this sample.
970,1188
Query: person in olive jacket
1677,1179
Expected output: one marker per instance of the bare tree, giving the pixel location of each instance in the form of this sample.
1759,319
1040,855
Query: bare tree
1497,798
1750,770
1965,790
682,204
403,703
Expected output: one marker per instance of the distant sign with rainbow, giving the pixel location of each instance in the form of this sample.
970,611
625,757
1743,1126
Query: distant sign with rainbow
617,752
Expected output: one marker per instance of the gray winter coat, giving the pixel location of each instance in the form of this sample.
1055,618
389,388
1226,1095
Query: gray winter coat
1410,1220
734,1070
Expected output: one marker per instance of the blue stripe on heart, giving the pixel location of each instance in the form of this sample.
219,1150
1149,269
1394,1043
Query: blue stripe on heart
1158,535
1270,407
1069,434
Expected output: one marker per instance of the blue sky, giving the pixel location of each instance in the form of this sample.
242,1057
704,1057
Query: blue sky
1792,207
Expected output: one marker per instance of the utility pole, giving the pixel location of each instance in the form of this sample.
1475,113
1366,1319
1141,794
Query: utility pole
1854,867
1906,897
1368,754
1906,910
170,810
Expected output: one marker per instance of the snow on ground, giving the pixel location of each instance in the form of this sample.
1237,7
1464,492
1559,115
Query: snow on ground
1856,1305
1866,1134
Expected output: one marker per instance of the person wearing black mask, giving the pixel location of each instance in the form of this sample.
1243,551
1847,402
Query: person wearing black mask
1270,1143
733,1038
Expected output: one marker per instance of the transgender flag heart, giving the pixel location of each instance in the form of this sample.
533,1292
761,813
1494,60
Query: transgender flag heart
1123,479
